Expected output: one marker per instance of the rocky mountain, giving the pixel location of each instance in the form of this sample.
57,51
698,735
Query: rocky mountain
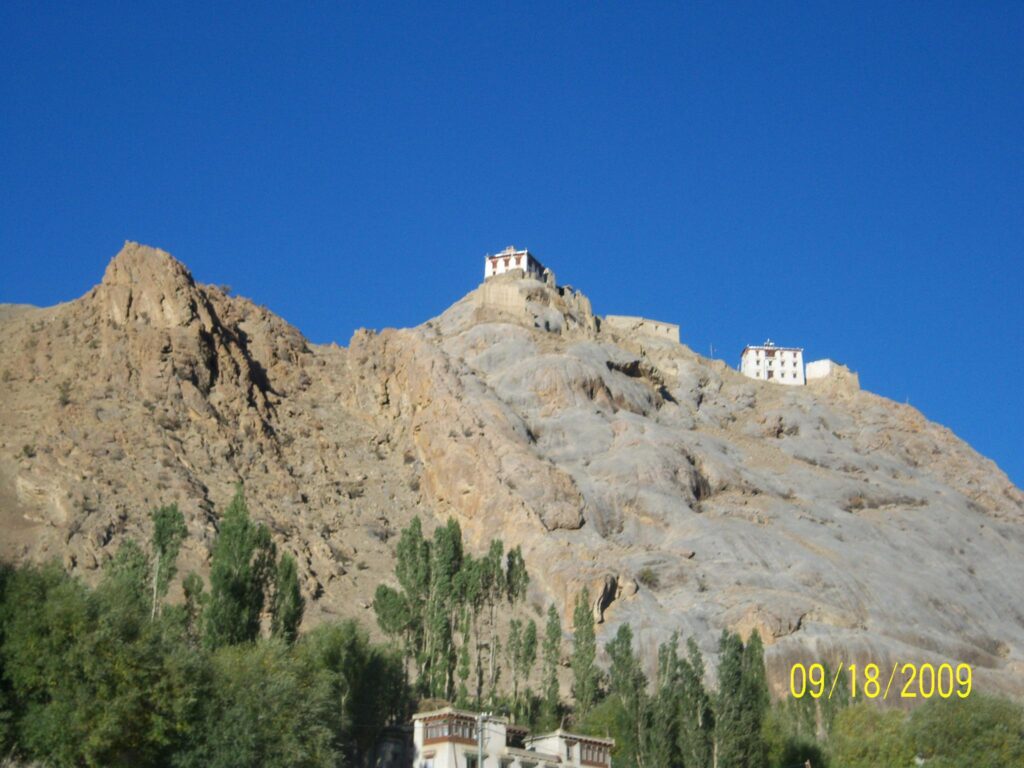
840,524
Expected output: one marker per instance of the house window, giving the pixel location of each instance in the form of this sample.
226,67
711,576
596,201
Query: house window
471,761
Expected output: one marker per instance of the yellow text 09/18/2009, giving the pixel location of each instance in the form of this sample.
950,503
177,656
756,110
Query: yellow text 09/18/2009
906,681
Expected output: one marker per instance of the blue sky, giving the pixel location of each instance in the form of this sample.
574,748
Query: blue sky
844,177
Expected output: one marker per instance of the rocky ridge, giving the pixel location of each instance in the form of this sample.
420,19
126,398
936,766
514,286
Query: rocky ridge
838,523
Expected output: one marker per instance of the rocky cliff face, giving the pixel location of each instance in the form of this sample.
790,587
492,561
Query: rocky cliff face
840,524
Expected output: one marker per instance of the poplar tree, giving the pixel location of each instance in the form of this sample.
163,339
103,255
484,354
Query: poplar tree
462,699
412,569
756,699
730,738
288,605
628,684
493,584
522,654
168,533
442,608
551,652
240,570
584,655
661,747
695,737
472,591
742,702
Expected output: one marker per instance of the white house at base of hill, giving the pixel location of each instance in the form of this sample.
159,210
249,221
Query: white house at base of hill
449,738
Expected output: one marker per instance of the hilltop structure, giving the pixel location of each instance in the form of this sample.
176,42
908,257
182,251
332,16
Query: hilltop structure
452,737
768,362
512,258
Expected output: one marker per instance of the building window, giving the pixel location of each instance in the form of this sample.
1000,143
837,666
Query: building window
593,753
470,760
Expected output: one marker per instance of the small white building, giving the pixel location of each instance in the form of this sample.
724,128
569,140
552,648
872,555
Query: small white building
821,369
768,362
448,738
510,259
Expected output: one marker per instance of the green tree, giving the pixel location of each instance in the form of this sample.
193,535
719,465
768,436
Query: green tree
195,600
7,701
741,703
99,682
584,655
516,577
367,685
978,732
168,533
443,608
492,578
268,707
661,749
731,737
412,569
288,605
865,736
522,655
695,737
240,570
473,592
462,698
627,683
551,652
756,699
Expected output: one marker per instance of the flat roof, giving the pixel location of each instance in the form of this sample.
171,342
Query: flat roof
452,711
773,346
576,736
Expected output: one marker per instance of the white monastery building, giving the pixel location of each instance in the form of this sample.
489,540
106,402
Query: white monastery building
452,738
768,362
510,259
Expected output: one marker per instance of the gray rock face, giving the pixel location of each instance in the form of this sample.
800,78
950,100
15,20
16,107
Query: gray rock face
841,525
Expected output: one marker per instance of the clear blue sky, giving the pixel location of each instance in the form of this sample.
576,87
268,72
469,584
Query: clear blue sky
847,177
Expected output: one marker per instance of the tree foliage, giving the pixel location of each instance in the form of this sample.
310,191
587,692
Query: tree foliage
96,677
288,605
585,674
552,651
445,615
240,571
168,533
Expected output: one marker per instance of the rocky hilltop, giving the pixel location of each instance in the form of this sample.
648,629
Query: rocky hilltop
840,524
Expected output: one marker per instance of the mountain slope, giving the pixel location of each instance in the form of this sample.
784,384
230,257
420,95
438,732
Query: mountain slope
835,521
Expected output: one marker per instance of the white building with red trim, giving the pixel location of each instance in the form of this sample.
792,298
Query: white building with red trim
768,362
453,738
510,259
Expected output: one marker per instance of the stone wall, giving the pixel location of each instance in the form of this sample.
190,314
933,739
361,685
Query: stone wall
829,372
642,325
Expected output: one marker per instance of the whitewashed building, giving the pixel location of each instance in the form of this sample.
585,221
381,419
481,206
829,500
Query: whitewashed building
448,738
510,259
768,362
